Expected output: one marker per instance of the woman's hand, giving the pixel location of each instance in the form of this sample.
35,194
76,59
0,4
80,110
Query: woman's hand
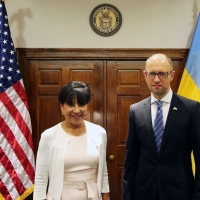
105,196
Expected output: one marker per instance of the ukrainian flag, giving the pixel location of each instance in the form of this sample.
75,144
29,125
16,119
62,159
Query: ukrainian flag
190,82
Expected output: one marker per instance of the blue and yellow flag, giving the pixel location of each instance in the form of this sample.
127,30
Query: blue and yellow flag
190,82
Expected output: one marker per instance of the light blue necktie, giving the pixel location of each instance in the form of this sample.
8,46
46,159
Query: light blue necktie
158,125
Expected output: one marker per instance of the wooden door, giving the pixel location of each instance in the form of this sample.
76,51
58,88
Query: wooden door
116,80
46,77
125,85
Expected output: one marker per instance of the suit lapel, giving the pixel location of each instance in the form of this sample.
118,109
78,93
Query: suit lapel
173,110
148,122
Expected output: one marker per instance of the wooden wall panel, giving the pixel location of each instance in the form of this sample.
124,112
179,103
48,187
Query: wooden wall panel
124,103
115,78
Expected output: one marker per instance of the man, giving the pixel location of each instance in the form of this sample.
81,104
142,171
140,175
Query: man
161,137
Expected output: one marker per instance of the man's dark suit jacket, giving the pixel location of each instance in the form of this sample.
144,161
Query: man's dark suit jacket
168,172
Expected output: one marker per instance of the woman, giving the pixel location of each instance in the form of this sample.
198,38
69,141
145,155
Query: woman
71,158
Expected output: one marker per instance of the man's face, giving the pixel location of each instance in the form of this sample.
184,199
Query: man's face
159,86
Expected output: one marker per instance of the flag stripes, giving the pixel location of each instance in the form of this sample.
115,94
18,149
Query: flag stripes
16,182
15,106
12,126
19,152
185,87
20,93
4,191
9,152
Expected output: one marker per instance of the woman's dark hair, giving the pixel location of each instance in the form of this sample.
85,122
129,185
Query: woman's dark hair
75,90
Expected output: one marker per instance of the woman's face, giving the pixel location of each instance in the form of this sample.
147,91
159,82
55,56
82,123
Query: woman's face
74,114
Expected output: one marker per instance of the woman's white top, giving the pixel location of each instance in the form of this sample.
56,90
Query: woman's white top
51,155
81,154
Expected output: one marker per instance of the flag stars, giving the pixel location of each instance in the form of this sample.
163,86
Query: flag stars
9,72
1,85
5,33
9,69
11,60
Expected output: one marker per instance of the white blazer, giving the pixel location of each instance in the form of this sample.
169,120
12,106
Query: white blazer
50,161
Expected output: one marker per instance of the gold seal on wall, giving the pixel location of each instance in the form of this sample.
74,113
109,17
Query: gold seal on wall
105,20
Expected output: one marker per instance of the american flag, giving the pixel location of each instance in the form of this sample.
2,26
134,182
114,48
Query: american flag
17,165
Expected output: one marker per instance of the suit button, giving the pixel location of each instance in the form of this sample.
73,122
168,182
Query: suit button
154,185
